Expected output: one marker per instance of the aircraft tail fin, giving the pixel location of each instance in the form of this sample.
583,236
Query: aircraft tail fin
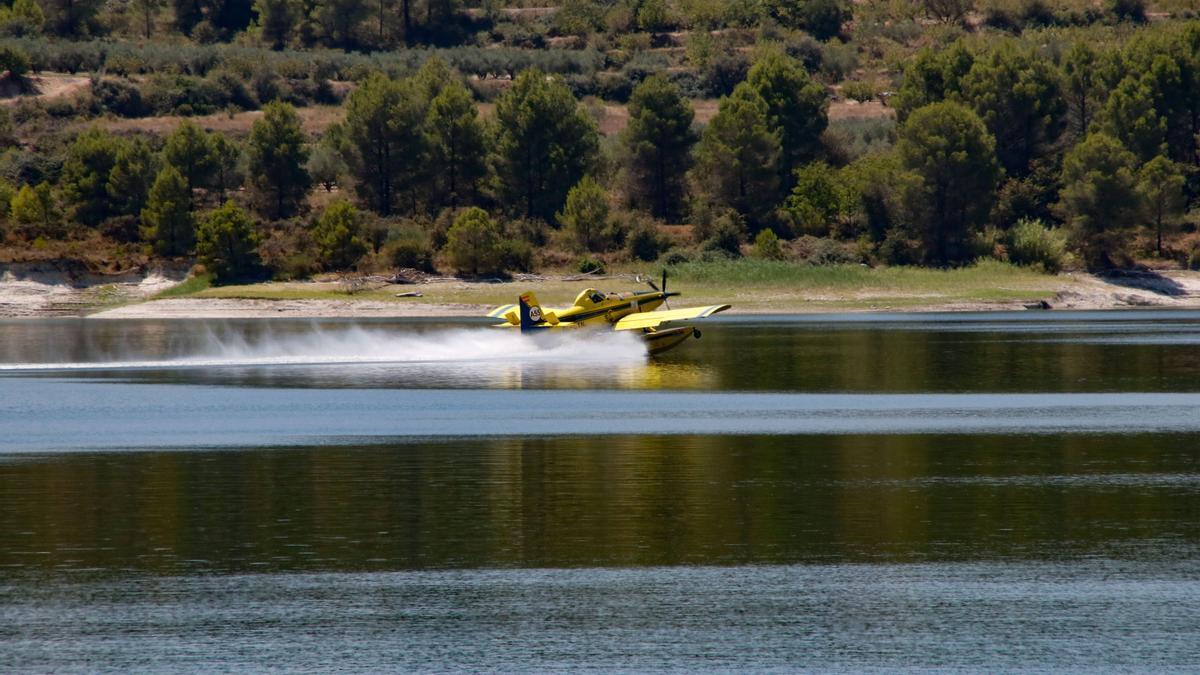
531,312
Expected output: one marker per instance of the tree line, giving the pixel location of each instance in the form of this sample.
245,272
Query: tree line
1000,151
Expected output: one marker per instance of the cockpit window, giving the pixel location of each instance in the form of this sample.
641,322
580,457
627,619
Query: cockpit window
597,297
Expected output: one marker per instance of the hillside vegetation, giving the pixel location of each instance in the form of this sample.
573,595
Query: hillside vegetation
283,138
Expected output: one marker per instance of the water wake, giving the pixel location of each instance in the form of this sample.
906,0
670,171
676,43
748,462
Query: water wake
357,345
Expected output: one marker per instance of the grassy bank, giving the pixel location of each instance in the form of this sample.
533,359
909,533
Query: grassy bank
750,285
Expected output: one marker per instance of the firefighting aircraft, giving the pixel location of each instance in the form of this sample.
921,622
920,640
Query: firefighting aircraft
628,310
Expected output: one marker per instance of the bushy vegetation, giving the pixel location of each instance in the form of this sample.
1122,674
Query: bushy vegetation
1043,134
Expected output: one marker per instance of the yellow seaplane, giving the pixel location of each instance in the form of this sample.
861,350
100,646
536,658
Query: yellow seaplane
628,310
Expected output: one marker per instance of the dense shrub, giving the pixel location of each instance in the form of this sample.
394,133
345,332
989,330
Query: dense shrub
1032,243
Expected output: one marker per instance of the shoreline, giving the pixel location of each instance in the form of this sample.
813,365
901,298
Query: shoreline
134,297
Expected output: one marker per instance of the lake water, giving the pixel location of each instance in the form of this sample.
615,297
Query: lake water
838,493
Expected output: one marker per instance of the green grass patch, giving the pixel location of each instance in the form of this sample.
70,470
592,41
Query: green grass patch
189,286
749,271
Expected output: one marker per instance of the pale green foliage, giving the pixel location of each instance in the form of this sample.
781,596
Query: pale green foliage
1100,198
167,220
35,206
25,17
277,156
474,243
336,235
766,245
227,243
818,198
1033,243
585,216
326,166
1130,117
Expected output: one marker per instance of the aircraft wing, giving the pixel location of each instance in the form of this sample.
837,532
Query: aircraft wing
499,312
653,319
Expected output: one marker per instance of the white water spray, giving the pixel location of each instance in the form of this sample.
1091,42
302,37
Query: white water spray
357,345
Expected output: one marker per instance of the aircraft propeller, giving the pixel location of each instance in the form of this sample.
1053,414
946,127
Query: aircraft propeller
662,290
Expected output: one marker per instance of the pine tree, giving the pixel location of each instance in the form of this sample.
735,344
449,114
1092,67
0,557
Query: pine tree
90,160
227,243
385,141
189,150
797,108
277,155
737,159
167,219
952,159
1100,198
337,236
457,144
131,177
544,143
658,142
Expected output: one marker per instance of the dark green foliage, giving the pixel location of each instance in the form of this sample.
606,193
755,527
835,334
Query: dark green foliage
277,155
90,160
1082,87
932,76
277,21
386,147
797,108
1130,117
726,235
1129,10
821,18
659,141
337,236
227,164
948,10
1161,183
737,158
457,146
1019,96
588,265
644,242
544,144
409,247
1100,198
72,18
14,63
132,175
189,150
227,244
167,219
952,159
